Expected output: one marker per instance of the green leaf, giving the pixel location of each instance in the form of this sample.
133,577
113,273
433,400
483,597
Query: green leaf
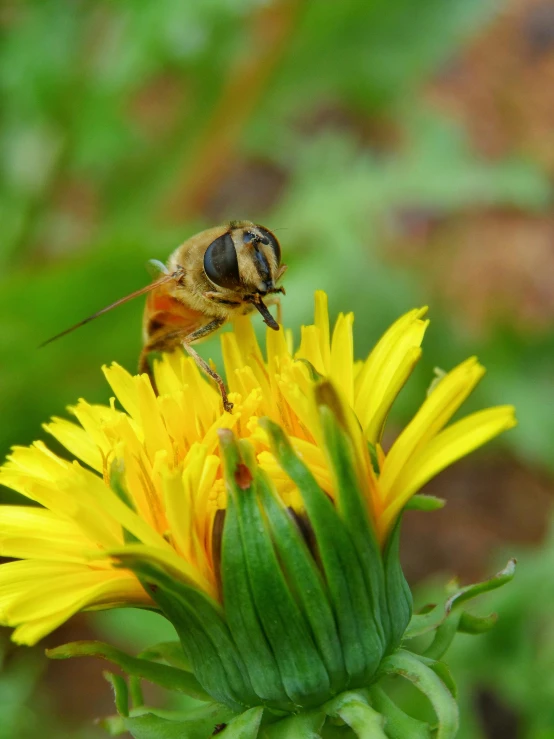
399,595
339,560
353,508
168,677
407,665
203,633
245,726
121,692
302,670
398,725
355,711
422,502
241,616
305,578
306,725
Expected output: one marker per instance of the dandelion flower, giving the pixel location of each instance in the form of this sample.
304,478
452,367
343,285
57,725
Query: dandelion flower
274,557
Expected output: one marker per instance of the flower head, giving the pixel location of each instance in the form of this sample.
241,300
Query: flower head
149,493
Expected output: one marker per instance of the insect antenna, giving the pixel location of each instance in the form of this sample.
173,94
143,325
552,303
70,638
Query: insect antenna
143,290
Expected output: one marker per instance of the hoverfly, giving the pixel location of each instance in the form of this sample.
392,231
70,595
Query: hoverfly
207,280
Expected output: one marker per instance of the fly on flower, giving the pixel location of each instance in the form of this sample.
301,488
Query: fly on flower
210,278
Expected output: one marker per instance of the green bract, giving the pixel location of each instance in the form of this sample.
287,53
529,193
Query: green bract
314,614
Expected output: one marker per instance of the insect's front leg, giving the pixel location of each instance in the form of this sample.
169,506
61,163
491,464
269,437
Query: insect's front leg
276,300
216,298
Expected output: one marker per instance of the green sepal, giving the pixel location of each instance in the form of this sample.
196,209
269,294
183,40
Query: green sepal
408,665
398,725
422,502
353,508
150,726
472,591
354,710
306,581
241,616
113,725
120,691
373,457
306,725
315,376
442,670
339,561
245,726
471,624
170,652
399,595
135,692
205,636
302,671
434,617
196,724
421,623
444,635
164,675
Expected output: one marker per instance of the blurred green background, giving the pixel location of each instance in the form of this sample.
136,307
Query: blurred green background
404,154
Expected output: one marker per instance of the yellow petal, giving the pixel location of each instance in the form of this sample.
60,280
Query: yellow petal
76,440
436,411
39,596
277,350
444,449
151,420
36,461
310,348
379,381
342,356
322,325
376,418
168,559
38,474
246,338
35,533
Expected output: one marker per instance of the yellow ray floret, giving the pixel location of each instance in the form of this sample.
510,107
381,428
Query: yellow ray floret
148,479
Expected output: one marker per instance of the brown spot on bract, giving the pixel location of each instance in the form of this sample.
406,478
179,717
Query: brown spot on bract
243,476
219,728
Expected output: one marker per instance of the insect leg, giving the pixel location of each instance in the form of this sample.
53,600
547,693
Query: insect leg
216,298
200,334
212,373
171,339
276,300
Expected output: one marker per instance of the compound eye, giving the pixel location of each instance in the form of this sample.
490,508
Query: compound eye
269,240
220,262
